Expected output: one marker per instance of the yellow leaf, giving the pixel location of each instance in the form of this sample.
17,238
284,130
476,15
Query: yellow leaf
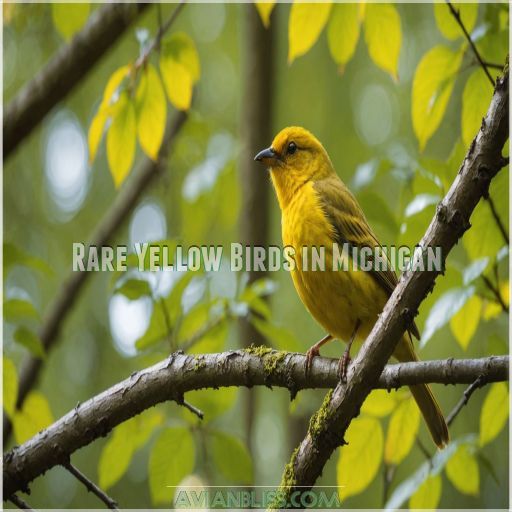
494,413
121,139
10,383
462,471
35,415
475,101
431,89
505,292
180,69
464,323
343,32
446,21
360,460
428,494
104,110
265,10
307,21
70,18
151,109
491,310
383,36
402,430
378,403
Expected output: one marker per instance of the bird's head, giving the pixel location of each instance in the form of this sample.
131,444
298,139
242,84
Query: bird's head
294,157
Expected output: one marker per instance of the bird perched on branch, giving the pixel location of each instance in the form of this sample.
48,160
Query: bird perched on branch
318,210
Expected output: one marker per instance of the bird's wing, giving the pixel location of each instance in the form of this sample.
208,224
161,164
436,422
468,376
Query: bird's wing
350,226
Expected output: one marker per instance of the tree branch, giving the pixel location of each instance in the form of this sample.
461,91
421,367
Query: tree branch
171,378
125,200
65,70
21,504
328,426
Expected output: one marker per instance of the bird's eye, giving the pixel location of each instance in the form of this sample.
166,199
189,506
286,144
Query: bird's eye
292,147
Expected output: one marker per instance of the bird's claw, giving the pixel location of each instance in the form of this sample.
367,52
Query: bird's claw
343,364
310,355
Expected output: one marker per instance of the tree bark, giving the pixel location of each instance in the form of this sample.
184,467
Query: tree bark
171,378
327,428
65,70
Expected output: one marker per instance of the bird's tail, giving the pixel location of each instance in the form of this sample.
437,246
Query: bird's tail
425,399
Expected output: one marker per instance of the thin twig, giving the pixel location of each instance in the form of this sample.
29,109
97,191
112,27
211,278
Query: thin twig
498,220
496,293
22,504
493,65
456,15
193,409
91,486
479,382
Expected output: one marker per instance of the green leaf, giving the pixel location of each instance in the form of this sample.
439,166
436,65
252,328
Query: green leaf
420,202
151,108
494,414
280,337
379,403
360,460
180,69
34,416
157,329
15,256
118,452
383,36
475,102
16,310
134,289
462,470
171,459
447,306
305,25
428,494
464,323
70,18
213,402
447,23
431,89
265,10
30,341
343,32
475,270
402,430
10,383
211,341
231,457
121,139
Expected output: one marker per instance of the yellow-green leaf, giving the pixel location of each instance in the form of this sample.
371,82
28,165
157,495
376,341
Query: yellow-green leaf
383,36
121,139
10,383
151,111
70,18
16,310
343,32
494,414
431,89
34,416
180,69
104,110
30,340
305,25
428,494
379,403
360,460
475,101
402,430
462,470
265,10
231,457
447,23
465,322
171,459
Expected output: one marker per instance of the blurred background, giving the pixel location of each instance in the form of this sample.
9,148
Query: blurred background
53,196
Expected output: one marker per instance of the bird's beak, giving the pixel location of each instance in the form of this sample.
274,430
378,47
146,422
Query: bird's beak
266,154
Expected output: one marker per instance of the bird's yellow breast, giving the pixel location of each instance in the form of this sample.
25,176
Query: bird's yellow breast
336,299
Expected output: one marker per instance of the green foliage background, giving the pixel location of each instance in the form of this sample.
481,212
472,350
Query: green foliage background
361,107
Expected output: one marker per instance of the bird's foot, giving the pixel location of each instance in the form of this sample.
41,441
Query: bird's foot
343,364
313,352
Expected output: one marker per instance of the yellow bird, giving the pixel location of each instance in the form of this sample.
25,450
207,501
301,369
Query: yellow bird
319,210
